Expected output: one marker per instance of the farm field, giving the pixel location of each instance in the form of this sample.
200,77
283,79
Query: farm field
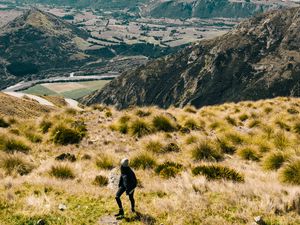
74,90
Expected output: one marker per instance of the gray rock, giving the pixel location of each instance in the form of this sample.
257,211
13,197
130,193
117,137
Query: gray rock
62,207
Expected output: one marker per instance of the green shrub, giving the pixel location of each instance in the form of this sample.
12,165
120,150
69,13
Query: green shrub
215,172
15,163
45,126
4,123
140,128
104,162
100,181
62,172
143,161
168,169
290,173
63,135
11,145
206,151
163,123
243,117
248,153
274,161
141,113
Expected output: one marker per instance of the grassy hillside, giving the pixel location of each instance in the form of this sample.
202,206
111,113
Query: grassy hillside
223,164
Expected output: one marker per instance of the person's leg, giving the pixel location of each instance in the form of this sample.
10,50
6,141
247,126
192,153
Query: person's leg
119,202
132,201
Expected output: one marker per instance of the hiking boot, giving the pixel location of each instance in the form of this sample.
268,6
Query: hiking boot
121,213
133,210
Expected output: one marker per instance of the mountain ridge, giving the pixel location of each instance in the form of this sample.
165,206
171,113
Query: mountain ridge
258,59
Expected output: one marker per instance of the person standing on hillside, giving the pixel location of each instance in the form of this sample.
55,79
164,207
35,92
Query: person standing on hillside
127,183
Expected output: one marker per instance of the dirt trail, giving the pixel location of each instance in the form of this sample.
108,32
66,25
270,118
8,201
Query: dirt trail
71,102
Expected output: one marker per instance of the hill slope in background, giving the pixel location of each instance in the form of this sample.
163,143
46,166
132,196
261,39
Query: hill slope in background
37,41
258,59
208,9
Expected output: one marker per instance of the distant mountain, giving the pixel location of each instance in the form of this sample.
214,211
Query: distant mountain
258,59
210,8
37,41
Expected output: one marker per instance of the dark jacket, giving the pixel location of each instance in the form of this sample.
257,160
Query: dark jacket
128,179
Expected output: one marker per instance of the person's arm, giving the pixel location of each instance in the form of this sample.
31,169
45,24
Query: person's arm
121,181
125,181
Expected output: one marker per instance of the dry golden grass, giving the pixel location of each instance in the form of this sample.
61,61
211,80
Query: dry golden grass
168,192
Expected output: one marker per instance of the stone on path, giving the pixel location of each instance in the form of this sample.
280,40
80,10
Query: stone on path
108,220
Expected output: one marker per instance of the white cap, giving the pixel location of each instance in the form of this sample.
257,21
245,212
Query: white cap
125,162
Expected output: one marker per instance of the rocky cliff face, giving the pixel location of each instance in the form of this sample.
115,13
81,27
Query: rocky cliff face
38,41
258,59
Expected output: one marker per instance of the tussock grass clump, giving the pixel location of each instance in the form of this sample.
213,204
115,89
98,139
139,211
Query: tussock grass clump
143,161
171,147
216,172
33,137
140,128
142,113
243,117
100,181
282,125
231,120
205,150
45,126
163,123
168,169
63,172
292,111
248,153
105,162
254,123
290,173
191,139
190,109
226,146
268,110
274,160
154,146
108,113
191,124
297,127
281,141
4,123
12,145
235,138
70,111
15,164
64,135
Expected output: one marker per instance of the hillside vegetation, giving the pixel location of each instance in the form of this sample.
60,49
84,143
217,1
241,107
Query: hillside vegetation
258,59
222,164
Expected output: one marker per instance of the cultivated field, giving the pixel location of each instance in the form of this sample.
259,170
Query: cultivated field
74,90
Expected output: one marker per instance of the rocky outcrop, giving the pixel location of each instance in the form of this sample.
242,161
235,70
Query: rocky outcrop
260,58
